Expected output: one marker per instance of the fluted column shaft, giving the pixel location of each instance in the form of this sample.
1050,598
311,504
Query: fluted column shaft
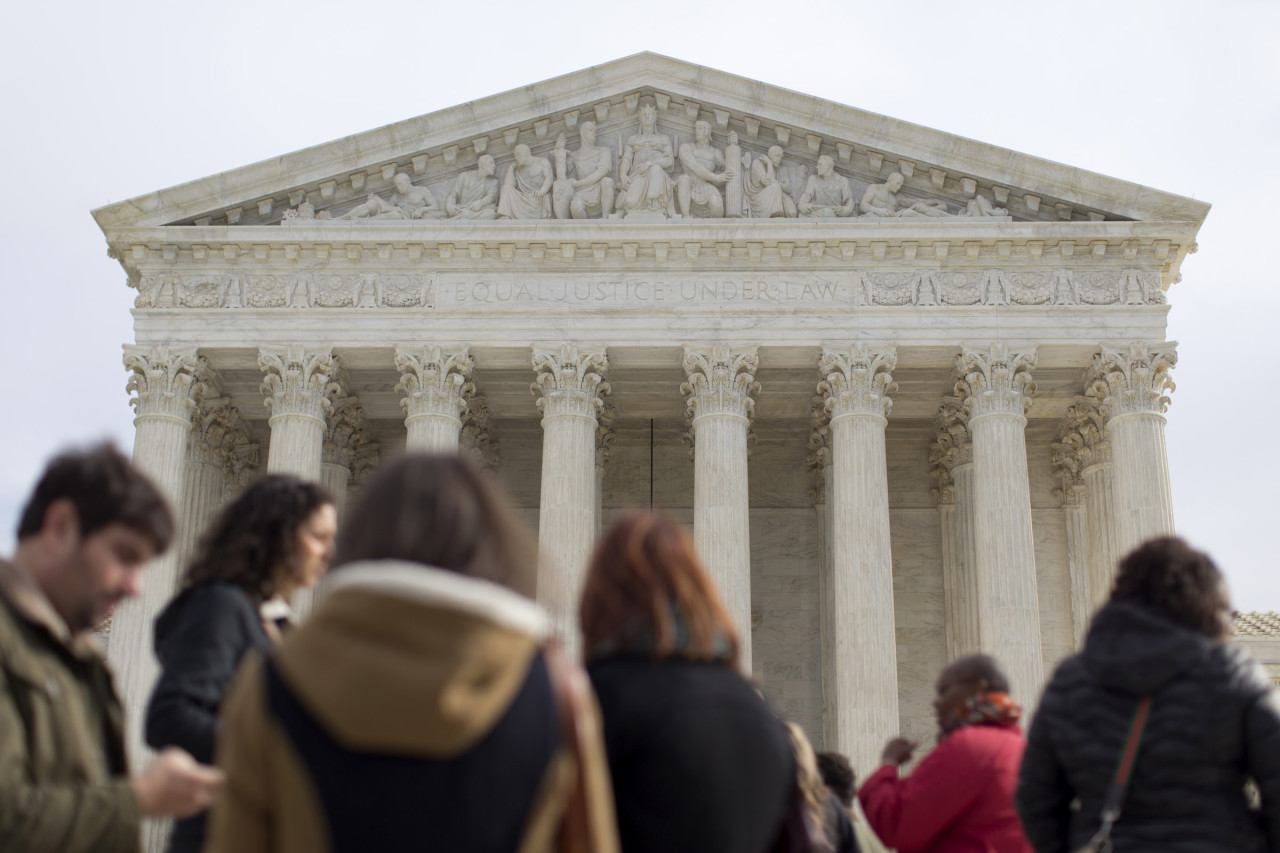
864,643
718,391
300,387
995,384
1077,523
1144,495
570,382
1130,384
167,385
436,384
963,610
1104,543
952,458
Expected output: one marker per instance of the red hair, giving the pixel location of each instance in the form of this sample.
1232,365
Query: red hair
644,576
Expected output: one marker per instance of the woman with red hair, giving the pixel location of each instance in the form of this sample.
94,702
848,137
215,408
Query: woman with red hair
699,761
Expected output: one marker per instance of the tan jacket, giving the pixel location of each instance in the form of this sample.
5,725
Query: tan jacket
64,784
396,659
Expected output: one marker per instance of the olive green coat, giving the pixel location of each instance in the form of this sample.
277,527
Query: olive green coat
64,784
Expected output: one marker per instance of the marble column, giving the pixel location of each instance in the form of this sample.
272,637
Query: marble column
300,385
863,643
605,438
952,459
1098,472
346,429
570,383
167,383
1131,383
818,460
995,385
436,385
719,389
1066,462
216,431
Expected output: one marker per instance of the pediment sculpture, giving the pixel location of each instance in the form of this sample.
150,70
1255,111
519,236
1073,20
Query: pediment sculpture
656,177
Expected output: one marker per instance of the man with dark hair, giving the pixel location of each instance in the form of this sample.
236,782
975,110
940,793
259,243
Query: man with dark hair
91,525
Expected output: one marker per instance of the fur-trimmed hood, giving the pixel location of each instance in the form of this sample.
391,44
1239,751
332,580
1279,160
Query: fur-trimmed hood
402,657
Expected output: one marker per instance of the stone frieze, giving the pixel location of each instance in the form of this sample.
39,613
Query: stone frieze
478,291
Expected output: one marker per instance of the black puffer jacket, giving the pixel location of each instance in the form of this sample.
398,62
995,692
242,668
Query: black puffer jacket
1215,722
201,638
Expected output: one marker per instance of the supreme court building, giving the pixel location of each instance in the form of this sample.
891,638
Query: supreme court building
907,388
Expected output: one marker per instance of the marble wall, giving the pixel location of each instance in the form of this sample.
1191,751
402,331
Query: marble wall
784,547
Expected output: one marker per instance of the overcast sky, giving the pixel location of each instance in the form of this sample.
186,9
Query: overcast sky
106,101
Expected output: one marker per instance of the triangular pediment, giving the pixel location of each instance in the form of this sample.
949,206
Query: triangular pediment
941,169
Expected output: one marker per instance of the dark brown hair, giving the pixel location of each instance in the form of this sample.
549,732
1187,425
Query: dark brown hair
105,488
255,538
1170,576
440,511
644,575
838,776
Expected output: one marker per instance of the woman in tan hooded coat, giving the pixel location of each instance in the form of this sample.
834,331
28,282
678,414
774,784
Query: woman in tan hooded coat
418,707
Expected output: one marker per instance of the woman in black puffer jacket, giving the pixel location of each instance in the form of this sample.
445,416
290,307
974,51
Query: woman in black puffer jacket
1214,722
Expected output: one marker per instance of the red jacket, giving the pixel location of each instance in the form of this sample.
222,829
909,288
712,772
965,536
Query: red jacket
959,800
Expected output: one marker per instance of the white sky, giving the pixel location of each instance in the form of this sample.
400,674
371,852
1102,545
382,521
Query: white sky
106,101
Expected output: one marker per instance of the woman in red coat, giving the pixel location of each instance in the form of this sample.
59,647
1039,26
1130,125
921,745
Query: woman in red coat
960,798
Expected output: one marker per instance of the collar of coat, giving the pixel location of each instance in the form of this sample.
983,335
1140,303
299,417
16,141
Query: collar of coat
437,587
28,601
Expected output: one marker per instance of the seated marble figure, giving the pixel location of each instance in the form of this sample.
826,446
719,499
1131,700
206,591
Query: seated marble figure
526,189
474,194
583,186
407,202
826,195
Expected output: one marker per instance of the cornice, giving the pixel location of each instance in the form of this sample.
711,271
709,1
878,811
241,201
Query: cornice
618,246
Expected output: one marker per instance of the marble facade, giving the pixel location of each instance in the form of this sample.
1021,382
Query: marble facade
907,388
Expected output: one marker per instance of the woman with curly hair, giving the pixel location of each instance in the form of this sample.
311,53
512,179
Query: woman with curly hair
274,540
699,762
1212,723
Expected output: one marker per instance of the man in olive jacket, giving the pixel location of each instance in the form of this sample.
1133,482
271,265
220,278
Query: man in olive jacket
92,524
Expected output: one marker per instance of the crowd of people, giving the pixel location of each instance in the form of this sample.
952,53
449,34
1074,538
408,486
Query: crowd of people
423,705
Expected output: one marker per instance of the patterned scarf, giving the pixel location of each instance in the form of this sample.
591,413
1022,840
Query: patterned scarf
990,708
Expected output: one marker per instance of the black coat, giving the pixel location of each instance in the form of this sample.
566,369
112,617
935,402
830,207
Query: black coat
699,762
201,639
1215,722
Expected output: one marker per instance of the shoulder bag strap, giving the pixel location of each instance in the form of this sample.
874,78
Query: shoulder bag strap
1120,781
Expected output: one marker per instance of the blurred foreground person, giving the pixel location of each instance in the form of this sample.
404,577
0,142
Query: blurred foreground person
84,537
837,774
960,797
274,539
827,826
1213,722
699,762
416,708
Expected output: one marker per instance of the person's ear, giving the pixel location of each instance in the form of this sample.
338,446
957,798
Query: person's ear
60,529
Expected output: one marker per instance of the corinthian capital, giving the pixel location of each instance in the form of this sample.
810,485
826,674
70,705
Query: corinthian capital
818,458
345,430
1085,433
954,447
166,381
1132,379
435,380
606,435
1067,460
570,380
720,381
996,381
299,381
216,430
477,439
858,382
